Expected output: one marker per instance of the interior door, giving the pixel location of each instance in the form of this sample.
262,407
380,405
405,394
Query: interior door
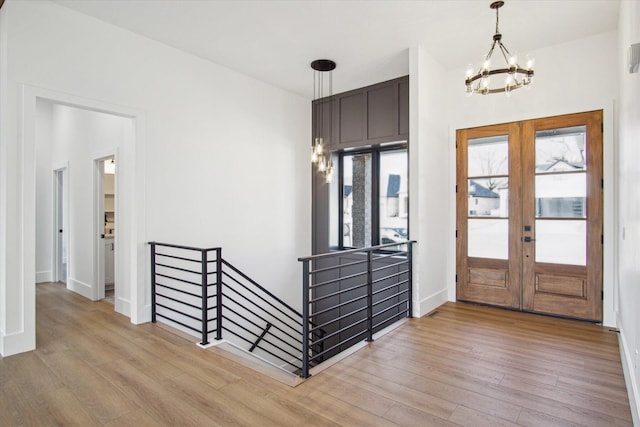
529,215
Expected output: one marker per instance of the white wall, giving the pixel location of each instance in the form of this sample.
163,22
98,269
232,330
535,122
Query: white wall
629,203
44,196
219,159
556,90
430,186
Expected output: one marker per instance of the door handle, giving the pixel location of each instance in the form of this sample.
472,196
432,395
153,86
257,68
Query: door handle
528,239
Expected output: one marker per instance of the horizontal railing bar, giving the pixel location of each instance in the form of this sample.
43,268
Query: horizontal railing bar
267,351
260,327
388,298
179,290
386,320
263,339
326,310
298,321
353,251
178,257
178,311
178,268
333,267
253,282
391,276
178,322
332,334
179,280
333,294
395,285
169,245
262,308
344,316
178,301
339,279
398,254
212,319
404,301
322,353
384,267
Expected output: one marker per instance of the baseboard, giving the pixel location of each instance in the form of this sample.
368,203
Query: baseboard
15,343
81,288
123,306
630,378
432,302
44,276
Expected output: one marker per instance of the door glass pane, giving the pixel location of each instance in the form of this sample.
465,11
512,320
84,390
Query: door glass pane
394,200
488,156
488,197
561,242
561,195
488,238
561,150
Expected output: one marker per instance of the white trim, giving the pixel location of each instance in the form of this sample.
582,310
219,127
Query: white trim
84,289
123,306
433,301
62,168
98,226
44,276
633,389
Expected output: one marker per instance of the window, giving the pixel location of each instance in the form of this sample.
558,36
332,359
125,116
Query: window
374,197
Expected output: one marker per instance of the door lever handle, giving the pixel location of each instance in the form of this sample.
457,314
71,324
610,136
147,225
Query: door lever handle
527,239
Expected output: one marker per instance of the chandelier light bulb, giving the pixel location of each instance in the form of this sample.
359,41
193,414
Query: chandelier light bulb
314,155
469,70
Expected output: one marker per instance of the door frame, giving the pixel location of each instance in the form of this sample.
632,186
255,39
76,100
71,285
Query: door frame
61,169
98,221
20,332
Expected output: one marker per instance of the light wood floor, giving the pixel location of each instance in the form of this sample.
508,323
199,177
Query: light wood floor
465,365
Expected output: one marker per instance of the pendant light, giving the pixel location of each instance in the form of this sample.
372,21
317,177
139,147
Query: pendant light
322,70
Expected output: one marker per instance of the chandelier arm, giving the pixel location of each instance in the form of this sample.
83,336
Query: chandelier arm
505,53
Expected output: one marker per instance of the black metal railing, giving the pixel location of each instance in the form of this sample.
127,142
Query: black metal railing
351,295
197,289
347,297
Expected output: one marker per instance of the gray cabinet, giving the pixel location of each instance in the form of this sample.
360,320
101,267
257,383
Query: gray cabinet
371,115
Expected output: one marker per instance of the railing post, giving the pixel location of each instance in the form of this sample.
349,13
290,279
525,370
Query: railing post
369,298
218,293
410,279
153,282
305,319
205,299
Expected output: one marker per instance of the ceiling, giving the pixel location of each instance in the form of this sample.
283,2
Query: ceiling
275,41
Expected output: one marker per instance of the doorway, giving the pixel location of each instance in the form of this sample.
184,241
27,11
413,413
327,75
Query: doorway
107,219
60,226
529,225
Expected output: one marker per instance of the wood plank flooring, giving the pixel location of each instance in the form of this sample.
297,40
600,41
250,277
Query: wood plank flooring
464,365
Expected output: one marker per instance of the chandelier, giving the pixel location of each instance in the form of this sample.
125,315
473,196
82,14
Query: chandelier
322,67
511,76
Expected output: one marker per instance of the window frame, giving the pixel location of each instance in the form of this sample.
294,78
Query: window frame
375,152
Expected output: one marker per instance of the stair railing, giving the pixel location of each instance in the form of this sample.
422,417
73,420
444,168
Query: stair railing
197,289
351,295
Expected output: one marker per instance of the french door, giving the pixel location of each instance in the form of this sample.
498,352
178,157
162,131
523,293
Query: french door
529,215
